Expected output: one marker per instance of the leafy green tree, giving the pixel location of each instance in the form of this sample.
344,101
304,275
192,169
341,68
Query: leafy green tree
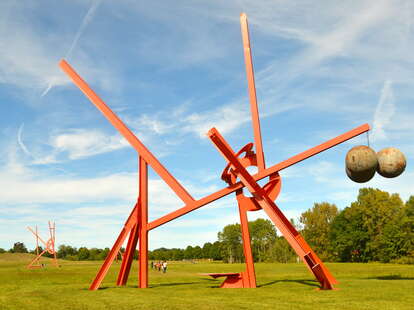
83,253
281,251
206,250
104,254
397,239
197,252
316,227
94,254
188,252
409,213
161,254
360,232
177,254
263,235
231,246
19,247
2,251
39,248
409,205
64,251
215,251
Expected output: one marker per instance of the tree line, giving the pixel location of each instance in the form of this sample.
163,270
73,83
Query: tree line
378,226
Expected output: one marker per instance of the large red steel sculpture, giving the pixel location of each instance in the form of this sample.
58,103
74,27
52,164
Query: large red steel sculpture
235,175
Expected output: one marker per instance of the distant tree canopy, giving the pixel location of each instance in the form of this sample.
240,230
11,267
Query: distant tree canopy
317,227
368,229
19,247
378,226
266,245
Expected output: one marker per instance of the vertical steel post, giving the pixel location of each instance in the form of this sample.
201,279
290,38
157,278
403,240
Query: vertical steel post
37,242
247,249
252,92
53,244
143,223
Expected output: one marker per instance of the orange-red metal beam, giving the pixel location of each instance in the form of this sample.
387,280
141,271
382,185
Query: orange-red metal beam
247,249
143,223
128,256
260,175
252,92
37,236
126,133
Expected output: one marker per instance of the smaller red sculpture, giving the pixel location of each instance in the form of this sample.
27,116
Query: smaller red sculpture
49,246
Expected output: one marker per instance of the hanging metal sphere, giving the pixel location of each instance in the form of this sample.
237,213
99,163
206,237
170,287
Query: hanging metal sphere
361,163
391,162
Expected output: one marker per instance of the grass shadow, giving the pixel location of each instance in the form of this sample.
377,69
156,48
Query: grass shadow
304,282
391,277
174,284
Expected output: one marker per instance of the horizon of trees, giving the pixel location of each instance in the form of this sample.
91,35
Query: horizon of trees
378,226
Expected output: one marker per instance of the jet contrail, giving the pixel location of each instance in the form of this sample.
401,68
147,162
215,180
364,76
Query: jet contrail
384,111
20,141
85,22
49,86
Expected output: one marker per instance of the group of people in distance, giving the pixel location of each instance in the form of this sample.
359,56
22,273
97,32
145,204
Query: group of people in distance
160,265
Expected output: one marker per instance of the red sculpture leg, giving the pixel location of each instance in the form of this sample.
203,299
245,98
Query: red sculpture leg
128,256
129,224
291,235
250,274
143,226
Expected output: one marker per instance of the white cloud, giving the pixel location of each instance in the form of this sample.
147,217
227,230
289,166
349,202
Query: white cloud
72,144
80,143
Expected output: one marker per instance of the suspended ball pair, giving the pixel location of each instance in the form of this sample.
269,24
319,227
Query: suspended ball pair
362,162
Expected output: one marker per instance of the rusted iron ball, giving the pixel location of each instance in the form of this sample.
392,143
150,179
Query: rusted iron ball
391,162
361,163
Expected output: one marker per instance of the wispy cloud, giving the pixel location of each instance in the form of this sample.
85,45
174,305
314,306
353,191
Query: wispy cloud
86,20
73,144
20,140
81,143
383,112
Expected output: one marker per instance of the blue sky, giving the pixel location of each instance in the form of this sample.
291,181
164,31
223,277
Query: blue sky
173,71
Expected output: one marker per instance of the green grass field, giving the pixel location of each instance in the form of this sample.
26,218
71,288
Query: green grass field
281,286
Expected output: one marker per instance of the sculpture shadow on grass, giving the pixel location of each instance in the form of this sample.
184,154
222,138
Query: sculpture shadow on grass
307,282
302,281
150,286
391,277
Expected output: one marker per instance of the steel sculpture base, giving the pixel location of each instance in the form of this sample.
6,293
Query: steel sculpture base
233,280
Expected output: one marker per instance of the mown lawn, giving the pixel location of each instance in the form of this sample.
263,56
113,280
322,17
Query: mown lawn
281,286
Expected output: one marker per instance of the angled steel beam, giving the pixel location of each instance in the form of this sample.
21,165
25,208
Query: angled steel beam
126,133
252,92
